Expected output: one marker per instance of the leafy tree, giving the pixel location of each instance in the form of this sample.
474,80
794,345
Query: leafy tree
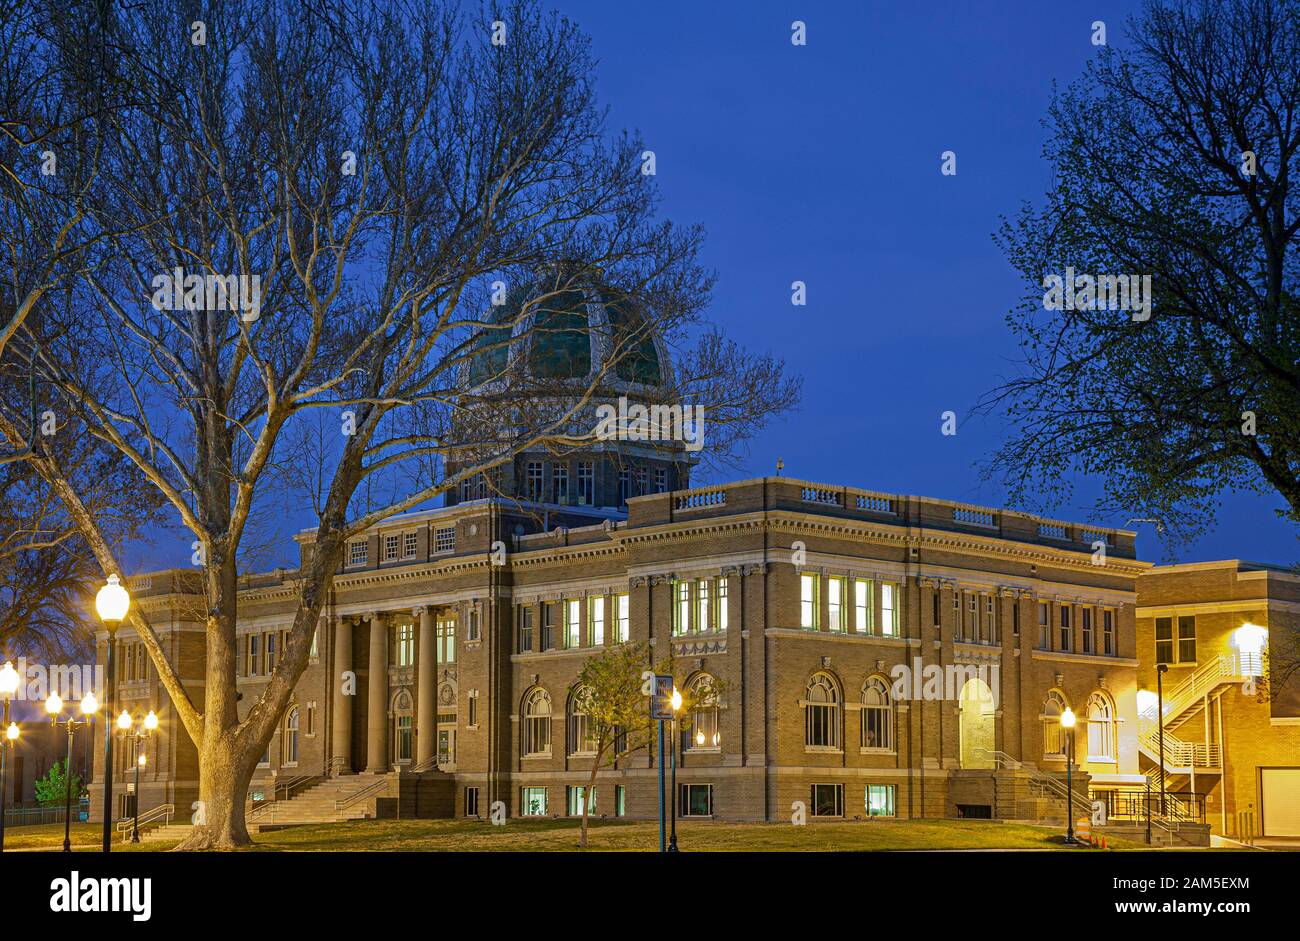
610,692
51,790
1177,158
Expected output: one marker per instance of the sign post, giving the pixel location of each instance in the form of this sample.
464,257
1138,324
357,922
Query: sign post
661,708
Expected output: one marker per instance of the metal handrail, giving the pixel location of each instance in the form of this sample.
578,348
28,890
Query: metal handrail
165,811
1039,779
367,791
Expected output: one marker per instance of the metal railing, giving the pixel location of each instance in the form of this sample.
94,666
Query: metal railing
1180,807
1047,784
1227,668
283,791
163,813
369,790
1178,753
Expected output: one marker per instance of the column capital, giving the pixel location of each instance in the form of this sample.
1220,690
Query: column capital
419,610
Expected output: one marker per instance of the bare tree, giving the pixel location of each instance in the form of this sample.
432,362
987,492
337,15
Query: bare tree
343,189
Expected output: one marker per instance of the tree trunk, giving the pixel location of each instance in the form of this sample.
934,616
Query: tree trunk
589,798
223,789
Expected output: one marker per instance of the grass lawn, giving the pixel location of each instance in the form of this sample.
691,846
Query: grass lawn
612,836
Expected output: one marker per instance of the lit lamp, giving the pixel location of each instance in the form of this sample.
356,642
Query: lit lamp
54,706
8,686
112,602
677,705
1067,723
1250,639
148,726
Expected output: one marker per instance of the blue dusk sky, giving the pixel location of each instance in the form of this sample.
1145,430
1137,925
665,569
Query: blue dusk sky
821,163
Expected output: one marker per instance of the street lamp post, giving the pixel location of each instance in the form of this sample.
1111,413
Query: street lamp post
112,603
8,686
1067,723
1161,669
677,705
54,706
127,724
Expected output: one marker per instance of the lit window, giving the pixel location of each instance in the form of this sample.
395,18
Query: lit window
808,602
576,798
720,620
582,731
596,621
621,620
1054,738
862,606
704,732
446,632
405,645
702,604
682,610
835,604
289,745
889,610
532,802
880,800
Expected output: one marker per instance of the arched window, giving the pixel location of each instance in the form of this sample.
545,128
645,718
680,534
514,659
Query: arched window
289,742
821,711
877,715
402,726
582,734
537,723
704,732
1054,737
1101,728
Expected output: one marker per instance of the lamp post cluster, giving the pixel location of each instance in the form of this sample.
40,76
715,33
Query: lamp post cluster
1067,724
112,603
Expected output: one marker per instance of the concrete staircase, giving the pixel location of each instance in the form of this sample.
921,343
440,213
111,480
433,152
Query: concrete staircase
347,797
171,831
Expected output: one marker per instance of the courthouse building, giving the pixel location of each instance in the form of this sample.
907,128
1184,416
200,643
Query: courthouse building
877,654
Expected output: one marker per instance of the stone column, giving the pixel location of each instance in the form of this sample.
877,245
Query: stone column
377,705
426,698
342,752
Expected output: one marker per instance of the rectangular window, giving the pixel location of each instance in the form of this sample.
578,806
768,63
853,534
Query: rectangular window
1065,628
576,797
620,800
1165,640
586,483
572,624
358,552
1085,625
472,628
1108,632
270,652
808,602
1044,623
836,610
1187,639
701,605
697,800
405,645
254,654
828,800
532,802
471,802
622,621
525,629
973,618
661,480
404,738
720,611
548,627
391,548
682,609
624,485
596,621
991,622
410,544
880,800
889,610
862,605
533,481
444,540
560,483
311,718
639,476
446,631
472,718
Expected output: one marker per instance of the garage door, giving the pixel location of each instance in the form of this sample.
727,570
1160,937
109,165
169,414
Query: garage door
1280,793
